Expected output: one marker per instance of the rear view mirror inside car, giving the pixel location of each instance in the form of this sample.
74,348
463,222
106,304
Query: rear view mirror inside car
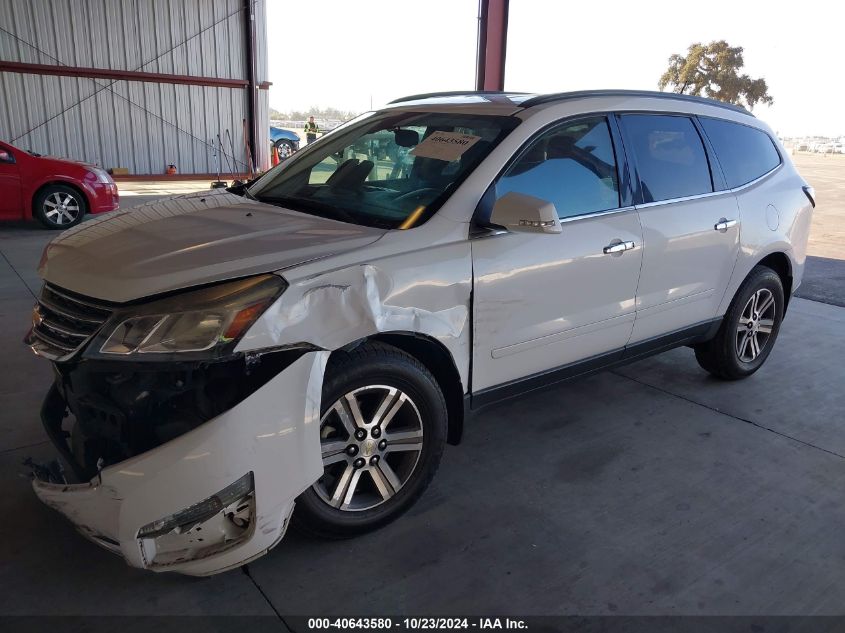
406,138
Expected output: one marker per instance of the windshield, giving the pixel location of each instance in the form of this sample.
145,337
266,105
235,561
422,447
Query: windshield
391,170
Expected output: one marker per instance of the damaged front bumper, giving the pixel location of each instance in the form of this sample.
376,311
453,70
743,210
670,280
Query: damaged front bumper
213,498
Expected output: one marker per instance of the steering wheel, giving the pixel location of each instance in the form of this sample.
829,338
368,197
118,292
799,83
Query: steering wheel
416,193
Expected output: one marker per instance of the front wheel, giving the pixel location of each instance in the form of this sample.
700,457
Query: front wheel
60,207
284,149
382,434
749,328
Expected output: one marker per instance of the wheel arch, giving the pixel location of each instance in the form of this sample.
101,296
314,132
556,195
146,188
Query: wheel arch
782,265
65,183
437,359
285,135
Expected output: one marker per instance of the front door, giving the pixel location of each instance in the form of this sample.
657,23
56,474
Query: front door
10,186
690,231
541,302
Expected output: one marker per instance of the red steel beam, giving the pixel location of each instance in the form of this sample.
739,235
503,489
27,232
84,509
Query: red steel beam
119,75
252,133
492,44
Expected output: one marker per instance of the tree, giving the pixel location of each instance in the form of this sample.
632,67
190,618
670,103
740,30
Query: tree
329,113
712,70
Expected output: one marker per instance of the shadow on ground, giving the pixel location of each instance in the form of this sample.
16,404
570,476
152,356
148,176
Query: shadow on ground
824,280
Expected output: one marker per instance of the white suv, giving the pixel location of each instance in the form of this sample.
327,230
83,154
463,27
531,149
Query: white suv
315,337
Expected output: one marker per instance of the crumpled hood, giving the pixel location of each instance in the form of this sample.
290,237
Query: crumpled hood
190,240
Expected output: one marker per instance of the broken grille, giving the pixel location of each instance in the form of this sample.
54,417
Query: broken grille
62,322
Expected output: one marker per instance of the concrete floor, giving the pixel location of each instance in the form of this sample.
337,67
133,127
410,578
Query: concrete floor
827,174
824,279
652,489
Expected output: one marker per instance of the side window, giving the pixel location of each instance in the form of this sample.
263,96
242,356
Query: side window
572,165
670,156
745,153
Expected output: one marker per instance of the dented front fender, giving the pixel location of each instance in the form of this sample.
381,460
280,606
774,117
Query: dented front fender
425,293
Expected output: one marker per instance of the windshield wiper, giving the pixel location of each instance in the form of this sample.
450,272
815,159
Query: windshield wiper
310,206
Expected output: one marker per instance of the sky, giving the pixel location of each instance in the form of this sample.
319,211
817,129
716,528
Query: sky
350,55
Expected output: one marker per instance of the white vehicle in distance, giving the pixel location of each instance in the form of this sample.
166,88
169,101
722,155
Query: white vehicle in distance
300,349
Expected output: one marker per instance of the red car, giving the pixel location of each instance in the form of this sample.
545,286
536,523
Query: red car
57,192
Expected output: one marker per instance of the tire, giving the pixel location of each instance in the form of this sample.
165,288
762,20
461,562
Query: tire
743,343
284,149
59,207
393,470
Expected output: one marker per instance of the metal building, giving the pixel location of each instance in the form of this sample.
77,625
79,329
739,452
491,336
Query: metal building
139,84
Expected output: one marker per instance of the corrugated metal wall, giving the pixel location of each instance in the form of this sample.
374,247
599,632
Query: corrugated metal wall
141,126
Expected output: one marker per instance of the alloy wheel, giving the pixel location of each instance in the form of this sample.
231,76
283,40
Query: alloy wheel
755,325
284,150
371,439
61,208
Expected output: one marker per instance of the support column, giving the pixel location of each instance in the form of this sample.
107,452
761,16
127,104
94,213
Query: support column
251,106
492,44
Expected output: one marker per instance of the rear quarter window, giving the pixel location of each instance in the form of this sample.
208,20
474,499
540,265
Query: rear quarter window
744,152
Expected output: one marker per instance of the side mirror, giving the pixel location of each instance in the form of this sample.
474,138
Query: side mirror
6,157
520,213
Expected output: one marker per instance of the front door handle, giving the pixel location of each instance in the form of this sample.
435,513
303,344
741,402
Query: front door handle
724,224
618,247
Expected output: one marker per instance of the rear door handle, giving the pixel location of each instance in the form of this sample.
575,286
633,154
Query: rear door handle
724,224
618,247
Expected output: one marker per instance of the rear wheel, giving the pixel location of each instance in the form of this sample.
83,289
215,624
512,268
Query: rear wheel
749,329
382,434
60,207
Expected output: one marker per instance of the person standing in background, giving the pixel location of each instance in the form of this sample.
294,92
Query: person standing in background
311,130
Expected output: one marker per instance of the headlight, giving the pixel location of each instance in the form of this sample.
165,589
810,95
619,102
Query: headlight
206,322
102,175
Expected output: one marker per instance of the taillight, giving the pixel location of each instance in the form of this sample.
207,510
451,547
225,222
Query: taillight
810,192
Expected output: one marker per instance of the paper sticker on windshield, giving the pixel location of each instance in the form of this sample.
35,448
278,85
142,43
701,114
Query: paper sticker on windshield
446,146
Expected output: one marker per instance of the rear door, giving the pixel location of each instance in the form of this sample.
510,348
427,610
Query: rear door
690,229
10,185
542,302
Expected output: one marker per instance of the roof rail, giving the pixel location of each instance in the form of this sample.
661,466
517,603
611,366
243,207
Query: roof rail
454,93
580,94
